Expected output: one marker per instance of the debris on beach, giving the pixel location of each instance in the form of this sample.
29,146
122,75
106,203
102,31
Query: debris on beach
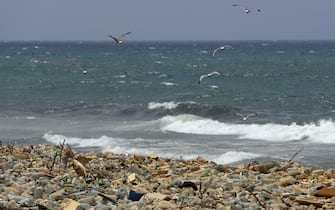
57,177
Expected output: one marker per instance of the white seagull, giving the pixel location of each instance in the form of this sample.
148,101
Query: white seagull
118,40
209,75
246,9
84,71
222,48
245,117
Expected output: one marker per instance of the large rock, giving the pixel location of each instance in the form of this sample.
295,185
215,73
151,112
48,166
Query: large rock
326,192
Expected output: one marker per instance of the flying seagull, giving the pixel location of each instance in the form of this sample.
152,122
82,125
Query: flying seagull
209,75
245,117
222,48
118,40
84,71
246,9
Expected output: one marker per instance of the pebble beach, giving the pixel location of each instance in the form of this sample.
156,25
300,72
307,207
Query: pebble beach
57,177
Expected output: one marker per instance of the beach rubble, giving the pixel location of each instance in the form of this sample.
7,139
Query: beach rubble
56,177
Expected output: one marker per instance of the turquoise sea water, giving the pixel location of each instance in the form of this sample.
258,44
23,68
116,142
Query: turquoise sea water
144,97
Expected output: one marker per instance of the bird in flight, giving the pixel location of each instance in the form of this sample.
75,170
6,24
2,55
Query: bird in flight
246,9
222,48
84,70
209,75
245,117
118,40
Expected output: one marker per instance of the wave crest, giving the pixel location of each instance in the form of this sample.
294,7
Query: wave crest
164,105
320,132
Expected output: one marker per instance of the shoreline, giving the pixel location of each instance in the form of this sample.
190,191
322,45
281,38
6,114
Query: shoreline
46,176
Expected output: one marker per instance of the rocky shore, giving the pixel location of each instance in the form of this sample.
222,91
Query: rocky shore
57,177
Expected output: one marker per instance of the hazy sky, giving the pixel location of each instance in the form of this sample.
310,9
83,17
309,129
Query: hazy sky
166,19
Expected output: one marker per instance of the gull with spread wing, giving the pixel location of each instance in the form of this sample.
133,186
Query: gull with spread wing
246,9
222,48
119,40
209,75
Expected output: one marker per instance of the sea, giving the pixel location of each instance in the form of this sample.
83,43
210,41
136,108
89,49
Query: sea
274,102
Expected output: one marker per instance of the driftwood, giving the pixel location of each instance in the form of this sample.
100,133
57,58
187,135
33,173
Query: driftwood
258,201
295,154
108,197
53,162
79,168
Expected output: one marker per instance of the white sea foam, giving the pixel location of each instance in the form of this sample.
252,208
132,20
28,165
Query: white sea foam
168,83
30,117
165,105
320,132
126,146
80,142
214,86
116,145
234,156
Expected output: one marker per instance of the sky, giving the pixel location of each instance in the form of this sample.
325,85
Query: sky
92,20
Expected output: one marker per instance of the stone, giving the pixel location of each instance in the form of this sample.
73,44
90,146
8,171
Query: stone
38,193
309,201
326,192
330,173
200,160
262,168
12,190
111,198
42,203
318,172
153,156
84,206
12,204
151,197
299,190
87,199
293,172
165,205
69,204
58,195
285,181
134,178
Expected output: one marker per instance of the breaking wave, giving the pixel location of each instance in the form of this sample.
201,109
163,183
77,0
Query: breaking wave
164,105
320,132
126,146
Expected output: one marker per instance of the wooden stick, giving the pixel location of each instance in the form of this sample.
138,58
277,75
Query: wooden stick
258,201
53,162
200,190
61,149
284,202
296,154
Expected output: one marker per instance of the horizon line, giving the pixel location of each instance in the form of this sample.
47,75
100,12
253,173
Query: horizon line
164,40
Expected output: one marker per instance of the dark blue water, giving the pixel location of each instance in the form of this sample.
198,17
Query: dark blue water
144,97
